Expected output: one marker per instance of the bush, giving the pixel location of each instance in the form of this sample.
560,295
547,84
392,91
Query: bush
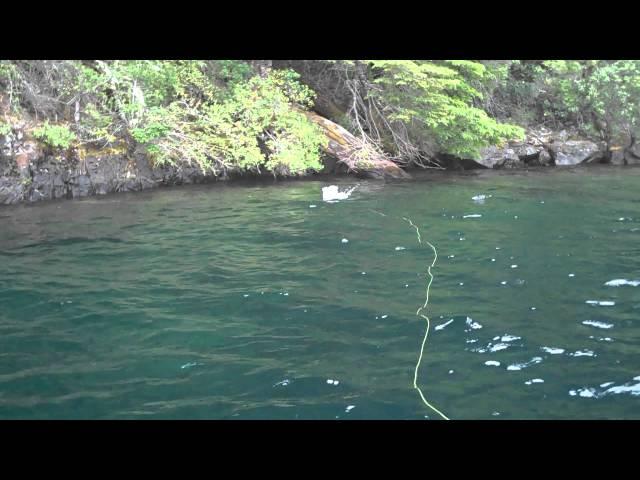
54,136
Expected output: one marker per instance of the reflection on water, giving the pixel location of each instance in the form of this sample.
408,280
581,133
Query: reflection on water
247,302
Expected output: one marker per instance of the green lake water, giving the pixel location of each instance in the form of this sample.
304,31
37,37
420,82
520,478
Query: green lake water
243,301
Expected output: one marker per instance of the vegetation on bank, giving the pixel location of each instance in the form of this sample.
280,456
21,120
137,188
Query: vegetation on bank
250,115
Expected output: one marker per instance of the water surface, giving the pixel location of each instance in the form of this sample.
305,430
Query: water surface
244,302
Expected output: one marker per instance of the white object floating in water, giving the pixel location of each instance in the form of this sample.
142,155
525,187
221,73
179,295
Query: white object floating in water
384,316
332,193
597,324
618,282
572,274
349,408
312,206
245,295
473,215
450,372
480,198
503,283
492,363
533,308
552,350
493,259
514,266
400,248
345,240
441,326
472,324
283,383
461,283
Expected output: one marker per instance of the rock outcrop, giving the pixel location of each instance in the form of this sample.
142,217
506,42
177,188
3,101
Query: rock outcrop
543,147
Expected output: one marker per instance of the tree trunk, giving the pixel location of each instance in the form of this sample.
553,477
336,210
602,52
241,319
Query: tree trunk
262,67
360,158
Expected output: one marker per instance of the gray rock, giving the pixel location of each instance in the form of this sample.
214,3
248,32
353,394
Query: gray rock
572,152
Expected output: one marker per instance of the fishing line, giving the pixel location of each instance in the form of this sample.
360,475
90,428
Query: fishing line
419,313
426,318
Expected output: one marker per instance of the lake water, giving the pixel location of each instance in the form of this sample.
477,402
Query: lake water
245,302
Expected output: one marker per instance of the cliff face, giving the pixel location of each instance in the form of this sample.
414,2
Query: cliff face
29,174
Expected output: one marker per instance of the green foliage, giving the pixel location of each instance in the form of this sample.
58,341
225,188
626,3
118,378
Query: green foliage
254,125
5,128
435,99
55,136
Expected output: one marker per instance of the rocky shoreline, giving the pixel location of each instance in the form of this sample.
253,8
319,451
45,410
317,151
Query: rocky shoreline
29,174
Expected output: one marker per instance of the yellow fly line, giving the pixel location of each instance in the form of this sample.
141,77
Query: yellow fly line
418,312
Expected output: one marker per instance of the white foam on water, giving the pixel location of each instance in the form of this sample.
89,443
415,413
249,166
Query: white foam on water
520,366
492,363
602,303
534,380
583,353
632,389
473,325
510,338
496,338
597,324
400,248
443,325
473,215
587,392
283,383
480,198
472,340
606,384
618,282
499,346
552,350
190,364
